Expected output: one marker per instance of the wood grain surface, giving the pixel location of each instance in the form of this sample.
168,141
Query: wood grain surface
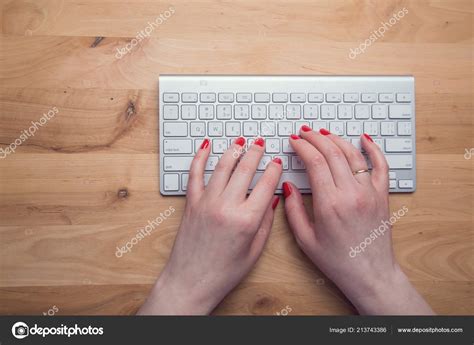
88,179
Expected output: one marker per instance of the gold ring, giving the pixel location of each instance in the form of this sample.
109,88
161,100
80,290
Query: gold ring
360,171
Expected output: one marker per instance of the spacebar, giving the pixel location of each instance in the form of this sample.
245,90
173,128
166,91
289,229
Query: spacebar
299,179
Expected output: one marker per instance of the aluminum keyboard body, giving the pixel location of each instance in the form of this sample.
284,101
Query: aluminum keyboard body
222,108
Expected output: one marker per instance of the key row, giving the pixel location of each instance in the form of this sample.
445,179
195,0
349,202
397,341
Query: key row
283,97
283,128
290,111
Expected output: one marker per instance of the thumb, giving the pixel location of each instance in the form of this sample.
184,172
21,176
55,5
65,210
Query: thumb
297,216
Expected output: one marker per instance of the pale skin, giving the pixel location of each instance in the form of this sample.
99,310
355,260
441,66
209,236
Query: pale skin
223,231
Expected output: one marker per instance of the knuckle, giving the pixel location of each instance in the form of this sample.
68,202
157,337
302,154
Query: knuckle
244,168
316,161
335,153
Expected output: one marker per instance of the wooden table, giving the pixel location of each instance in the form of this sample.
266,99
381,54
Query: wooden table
88,179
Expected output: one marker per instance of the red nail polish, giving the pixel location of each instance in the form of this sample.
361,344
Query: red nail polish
294,137
240,141
306,128
368,137
205,144
260,142
275,203
324,131
286,189
277,160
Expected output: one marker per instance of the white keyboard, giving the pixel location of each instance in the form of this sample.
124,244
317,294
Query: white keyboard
222,108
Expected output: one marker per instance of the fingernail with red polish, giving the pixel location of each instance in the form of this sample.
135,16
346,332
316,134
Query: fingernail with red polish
277,160
275,202
368,137
306,128
260,142
286,189
205,144
294,137
240,141
324,131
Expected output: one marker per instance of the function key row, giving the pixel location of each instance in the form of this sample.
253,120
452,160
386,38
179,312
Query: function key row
262,97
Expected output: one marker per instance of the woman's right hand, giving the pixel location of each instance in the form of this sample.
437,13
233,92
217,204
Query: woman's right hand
350,210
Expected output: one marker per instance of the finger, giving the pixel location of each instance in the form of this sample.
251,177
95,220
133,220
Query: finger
242,177
195,187
221,175
320,177
263,232
354,158
263,192
337,162
379,164
298,217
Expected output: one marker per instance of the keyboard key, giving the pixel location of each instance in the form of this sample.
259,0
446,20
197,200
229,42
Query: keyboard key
317,125
371,128
250,129
171,182
286,146
392,175
178,146
219,145
379,111
272,146
259,111
400,111
198,129
362,111
403,97
299,124
284,161
285,128
208,97
184,181
215,129
177,163
354,128
226,97
299,179
175,129
392,184
310,111
315,98
211,163
267,129
170,97
379,143
241,112
232,129
197,144
404,128
206,112
263,162
189,97
328,111
298,97
369,98
188,112
385,97
405,184
400,161
336,127
398,145
276,112
170,112
333,97
224,112
297,163
244,97
280,97
262,97
293,111
344,111
387,128
351,97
